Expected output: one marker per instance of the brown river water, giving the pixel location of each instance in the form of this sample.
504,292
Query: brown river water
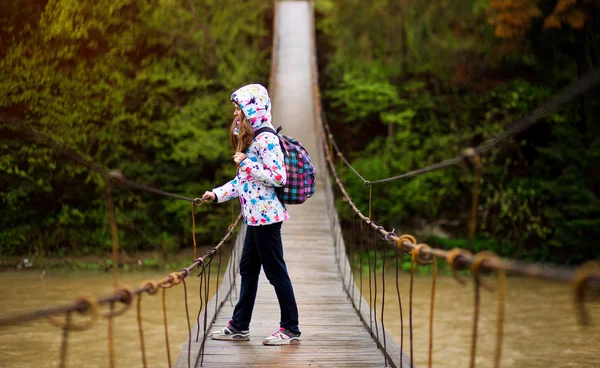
37,344
540,323
540,329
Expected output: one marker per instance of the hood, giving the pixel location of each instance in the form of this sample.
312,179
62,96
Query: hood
254,101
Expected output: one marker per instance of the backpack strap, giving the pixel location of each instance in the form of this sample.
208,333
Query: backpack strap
264,129
267,129
276,132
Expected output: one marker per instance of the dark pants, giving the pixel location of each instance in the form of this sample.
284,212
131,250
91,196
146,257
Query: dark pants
263,246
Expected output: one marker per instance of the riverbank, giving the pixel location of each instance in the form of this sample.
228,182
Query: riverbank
139,261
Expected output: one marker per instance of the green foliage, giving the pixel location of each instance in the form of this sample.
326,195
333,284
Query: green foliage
139,85
424,80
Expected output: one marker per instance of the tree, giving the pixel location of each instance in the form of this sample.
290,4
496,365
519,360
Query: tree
139,85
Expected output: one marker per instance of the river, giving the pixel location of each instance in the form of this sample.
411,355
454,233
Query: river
540,323
540,329
37,344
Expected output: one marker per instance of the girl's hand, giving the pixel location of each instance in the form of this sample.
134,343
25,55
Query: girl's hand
238,157
208,196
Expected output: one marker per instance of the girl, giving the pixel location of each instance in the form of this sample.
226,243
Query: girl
260,169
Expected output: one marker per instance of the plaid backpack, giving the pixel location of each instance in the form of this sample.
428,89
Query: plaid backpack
301,173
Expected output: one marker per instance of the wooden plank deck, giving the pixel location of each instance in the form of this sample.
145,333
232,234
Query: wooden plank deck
333,335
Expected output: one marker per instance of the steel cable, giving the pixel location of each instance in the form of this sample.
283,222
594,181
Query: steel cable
111,342
217,284
464,259
431,310
566,95
352,280
206,292
187,319
399,304
194,229
141,331
201,277
165,322
370,288
124,295
89,304
410,304
501,294
383,305
375,287
361,265
65,341
74,156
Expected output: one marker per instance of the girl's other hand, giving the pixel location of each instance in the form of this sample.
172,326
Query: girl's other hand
238,157
208,196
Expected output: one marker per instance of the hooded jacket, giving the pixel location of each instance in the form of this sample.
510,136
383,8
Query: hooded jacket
263,169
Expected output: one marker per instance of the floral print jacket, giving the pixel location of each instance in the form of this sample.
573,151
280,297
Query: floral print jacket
263,169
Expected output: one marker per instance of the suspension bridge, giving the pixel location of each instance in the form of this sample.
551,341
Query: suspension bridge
340,326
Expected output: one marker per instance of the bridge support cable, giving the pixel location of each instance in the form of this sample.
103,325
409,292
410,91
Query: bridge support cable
89,305
393,354
462,259
65,341
141,330
77,158
566,95
582,278
431,310
124,295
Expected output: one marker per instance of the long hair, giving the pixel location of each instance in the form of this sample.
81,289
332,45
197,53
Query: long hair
241,141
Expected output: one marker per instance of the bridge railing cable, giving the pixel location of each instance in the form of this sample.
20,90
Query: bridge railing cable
123,295
582,278
568,94
60,149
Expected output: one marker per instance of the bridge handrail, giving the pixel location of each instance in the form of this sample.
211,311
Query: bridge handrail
583,278
567,94
87,304
82,305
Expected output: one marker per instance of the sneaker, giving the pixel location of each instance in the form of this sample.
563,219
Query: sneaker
230,333
283,336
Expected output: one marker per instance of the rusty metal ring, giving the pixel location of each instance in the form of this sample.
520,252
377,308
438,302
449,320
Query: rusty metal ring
367,223
476,267
390,235
200,262
171,280
451,260
583,275
126,295
153,286
117,176
378,232
197,202
471,153
420,257
84,304
408,238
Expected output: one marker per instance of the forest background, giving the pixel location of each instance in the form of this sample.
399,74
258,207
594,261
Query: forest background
143,86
